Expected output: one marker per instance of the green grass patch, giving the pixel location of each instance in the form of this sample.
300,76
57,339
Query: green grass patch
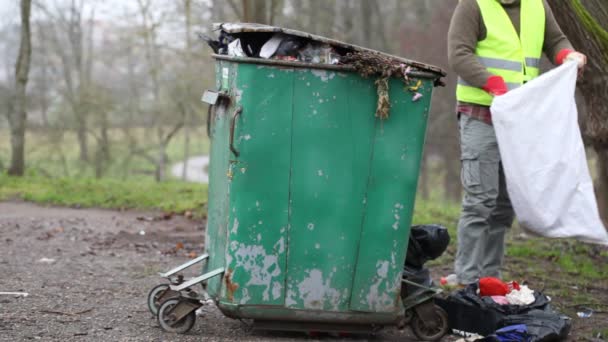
56,153
172,196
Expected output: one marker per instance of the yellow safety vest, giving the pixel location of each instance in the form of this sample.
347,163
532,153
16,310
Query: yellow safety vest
505,53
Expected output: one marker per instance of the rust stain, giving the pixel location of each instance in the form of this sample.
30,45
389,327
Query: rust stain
230,286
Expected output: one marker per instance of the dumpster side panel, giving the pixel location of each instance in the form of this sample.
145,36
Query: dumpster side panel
257,231
333,128
390,200
217,212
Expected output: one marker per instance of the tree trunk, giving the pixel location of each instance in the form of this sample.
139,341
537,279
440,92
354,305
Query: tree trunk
602,184
187,11
255,11
102,154
81,133
585,22
18,116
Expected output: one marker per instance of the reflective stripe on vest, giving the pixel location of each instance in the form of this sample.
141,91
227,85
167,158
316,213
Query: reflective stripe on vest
505,53
510,86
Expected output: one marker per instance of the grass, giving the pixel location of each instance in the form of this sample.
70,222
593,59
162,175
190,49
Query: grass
171,196
56,154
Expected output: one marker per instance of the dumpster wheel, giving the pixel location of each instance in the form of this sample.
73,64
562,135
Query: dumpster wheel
409,315
154,297
431,331
166,319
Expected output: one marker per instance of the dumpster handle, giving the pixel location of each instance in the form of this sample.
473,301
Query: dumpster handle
209,108
237,112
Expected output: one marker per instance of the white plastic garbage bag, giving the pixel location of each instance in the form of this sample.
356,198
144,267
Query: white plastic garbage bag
544,158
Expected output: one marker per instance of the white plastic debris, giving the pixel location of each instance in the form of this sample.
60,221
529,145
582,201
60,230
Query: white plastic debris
473,337
544,159
142,232
46,260
523,296
271,46
584,314
235,49
17,294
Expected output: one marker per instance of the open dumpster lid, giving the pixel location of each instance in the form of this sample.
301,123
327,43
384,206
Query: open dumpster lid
236,28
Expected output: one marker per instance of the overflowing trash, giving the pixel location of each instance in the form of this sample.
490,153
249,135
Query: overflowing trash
504,311
272,43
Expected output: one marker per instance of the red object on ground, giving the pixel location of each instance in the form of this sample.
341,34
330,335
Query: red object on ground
513,285
490,286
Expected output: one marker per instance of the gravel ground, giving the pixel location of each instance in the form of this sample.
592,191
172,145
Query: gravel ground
88,271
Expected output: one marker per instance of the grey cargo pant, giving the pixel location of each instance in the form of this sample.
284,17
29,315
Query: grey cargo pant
486,207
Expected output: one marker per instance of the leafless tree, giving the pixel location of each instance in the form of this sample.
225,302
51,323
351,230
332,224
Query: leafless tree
18,115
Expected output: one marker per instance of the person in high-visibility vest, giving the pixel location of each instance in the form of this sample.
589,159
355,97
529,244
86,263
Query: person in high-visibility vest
494,46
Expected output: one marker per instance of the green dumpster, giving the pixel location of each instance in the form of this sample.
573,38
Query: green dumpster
311,194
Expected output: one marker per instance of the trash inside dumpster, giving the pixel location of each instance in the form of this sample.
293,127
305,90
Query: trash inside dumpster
315,154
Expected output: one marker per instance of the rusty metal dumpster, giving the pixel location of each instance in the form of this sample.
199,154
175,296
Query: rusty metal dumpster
311,193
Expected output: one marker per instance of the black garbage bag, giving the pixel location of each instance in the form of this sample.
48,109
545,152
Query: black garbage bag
290,46
470,313
543,326
420,276
469,295
427,242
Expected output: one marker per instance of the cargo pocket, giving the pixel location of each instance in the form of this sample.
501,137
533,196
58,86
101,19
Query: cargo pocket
471,175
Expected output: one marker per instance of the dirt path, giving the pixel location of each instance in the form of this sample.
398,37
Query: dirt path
98,269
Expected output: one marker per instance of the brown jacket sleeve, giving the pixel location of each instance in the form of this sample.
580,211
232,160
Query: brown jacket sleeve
463,35
555,40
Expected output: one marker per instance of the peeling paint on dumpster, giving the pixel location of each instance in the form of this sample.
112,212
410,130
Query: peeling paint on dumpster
317,209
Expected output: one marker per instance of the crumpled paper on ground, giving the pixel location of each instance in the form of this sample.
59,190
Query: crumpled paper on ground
523,296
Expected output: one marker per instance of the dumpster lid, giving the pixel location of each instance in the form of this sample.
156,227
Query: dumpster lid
260,28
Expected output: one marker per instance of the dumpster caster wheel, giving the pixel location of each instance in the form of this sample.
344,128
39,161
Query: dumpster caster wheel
409,315
154,297
166,319
434,330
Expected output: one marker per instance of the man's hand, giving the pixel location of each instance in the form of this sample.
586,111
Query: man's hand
577,57
495,85
570,55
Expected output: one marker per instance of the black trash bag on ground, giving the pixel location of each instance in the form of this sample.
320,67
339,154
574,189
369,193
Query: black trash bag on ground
543,326
469,295
473,314
427,242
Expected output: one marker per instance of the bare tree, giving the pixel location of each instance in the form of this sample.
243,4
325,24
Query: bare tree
187,116
585,22
18,115
76,57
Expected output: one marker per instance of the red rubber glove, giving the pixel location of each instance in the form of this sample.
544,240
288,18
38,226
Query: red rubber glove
561,56
496,85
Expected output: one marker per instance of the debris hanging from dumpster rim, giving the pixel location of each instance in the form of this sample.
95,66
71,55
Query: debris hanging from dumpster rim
269,42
